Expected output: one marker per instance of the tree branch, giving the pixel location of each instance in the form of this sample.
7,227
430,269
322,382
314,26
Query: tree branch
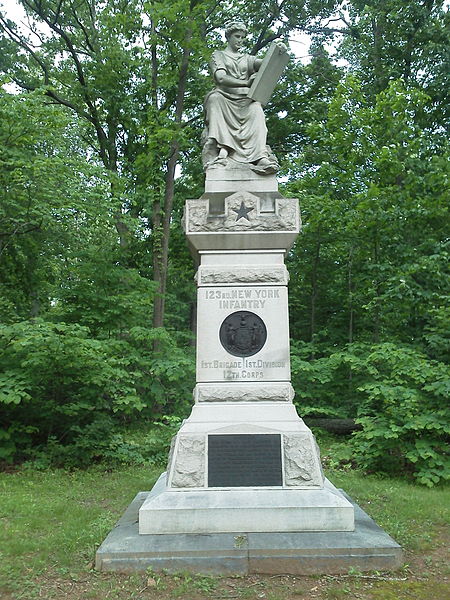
92,110
84,30
316,29
58,10
20,42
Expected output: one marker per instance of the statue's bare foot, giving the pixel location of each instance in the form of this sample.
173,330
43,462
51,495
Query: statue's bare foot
210,150
265,166
218,162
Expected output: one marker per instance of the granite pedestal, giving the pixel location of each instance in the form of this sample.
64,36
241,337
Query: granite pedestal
244,489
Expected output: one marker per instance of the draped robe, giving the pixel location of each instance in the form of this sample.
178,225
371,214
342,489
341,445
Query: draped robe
236,122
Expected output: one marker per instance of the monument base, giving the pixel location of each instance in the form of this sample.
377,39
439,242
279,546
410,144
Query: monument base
366,548
171,511
244,444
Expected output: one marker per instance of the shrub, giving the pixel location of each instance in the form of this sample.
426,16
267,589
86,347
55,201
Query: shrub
404,414
63,393
399,397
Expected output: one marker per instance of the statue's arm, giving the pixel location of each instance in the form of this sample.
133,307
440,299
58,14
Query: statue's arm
222,78
221,75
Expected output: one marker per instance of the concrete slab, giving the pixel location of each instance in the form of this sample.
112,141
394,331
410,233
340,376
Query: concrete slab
366,548
124,550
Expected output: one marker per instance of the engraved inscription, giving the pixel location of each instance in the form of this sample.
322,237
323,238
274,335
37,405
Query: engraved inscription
247,337
244,298
243,333
243,369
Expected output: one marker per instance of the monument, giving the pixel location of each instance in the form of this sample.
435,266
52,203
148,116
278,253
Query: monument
244,489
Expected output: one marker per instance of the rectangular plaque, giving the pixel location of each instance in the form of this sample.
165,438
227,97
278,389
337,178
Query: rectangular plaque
268,75
250,460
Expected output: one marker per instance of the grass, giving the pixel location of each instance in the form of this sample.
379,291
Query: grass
53,521
410,513
58,518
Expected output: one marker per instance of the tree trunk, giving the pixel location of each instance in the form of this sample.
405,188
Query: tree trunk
377,31
350,296
314,291
341,426
163,217
377,316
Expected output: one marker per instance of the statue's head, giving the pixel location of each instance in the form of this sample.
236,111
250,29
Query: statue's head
234,26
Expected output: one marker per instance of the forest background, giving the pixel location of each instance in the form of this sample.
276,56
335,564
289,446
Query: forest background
100,128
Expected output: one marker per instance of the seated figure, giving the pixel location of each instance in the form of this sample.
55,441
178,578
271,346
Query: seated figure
235,124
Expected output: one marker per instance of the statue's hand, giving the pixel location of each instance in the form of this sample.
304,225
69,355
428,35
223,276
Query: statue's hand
281,47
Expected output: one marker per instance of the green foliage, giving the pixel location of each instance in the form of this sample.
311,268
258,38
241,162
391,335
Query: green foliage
372,269
398,40
404,414
63,392
155,445
398,396
321,382
41,154
373,260
61,383
108,100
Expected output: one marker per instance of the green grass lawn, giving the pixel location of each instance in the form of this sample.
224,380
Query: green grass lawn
53,521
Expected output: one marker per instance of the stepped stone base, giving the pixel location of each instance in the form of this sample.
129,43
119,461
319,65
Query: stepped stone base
167,511
366,548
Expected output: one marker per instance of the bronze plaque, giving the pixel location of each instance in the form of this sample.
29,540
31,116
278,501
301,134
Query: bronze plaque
250,460
243,333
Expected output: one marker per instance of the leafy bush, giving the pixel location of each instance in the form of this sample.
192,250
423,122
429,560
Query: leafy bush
324,382
404,414
63,393
397,395
156,443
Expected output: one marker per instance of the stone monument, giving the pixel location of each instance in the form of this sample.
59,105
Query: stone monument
244,489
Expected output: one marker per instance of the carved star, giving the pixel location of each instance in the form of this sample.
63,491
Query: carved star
242,211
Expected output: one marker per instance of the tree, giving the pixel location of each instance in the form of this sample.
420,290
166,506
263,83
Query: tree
132,72
41,154
369,278
377,202
398,40
107,67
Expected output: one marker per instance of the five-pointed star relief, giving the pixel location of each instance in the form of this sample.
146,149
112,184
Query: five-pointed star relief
242,211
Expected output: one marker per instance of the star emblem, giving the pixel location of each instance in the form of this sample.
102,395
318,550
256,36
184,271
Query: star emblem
242,211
